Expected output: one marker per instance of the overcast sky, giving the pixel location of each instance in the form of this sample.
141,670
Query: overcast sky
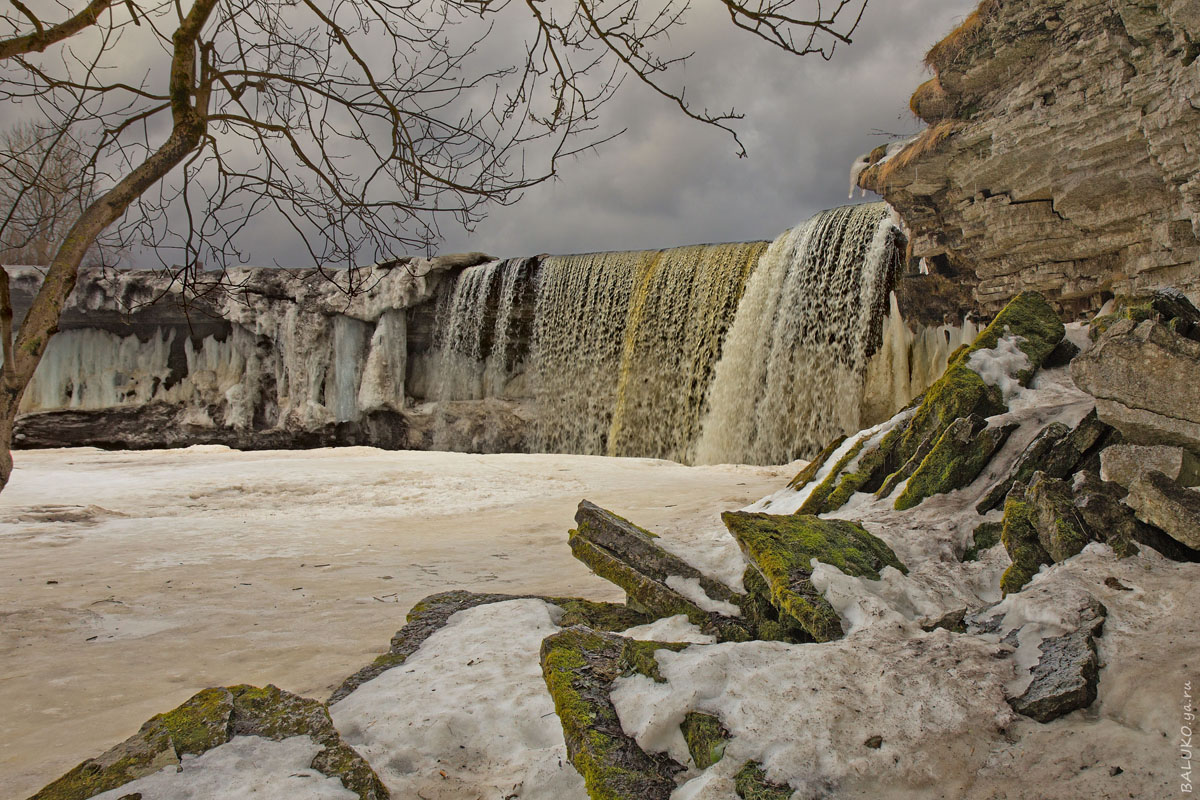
671,181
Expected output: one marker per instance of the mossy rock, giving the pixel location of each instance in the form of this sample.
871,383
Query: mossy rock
769,624
1032,459
956,460
641,657
1031,318
626,555
706,738
1171,308
751,783
579,666
825,496
985,537
1020,539
809,473
782,549
1060,527
209,719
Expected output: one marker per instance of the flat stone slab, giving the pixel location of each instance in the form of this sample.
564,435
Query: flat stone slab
1165,504
1124,463
1066,676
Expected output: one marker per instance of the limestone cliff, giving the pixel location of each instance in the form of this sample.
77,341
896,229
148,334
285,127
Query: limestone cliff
1063,152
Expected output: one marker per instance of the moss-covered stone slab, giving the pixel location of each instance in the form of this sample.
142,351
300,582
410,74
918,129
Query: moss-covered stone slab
1060,527
769,623
432,613
751,783
809,473
782,549
209,719
579,666
1034,322
1172,308
959,455
621,552
1020,539
706,738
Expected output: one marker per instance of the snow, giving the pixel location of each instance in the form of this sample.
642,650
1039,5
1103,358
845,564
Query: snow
670,629
999,365
131,580
468,714
692,590
244,768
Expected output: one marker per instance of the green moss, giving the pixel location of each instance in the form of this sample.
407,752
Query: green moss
955,461
579,666
806,475
769,624
706,738
638,656
819,499
199,724
783,548
751,783
987,535
598,616
1029,317
1021,541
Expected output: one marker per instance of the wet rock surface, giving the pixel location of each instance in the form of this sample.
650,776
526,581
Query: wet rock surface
1067,673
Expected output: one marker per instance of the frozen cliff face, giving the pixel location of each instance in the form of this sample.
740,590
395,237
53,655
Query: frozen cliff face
246,358
1062,150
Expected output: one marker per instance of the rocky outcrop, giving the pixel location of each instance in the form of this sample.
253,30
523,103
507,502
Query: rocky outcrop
783,548
654,580
212,718
579,666
1123,463
1146,380
1061,152
1165,504
957,458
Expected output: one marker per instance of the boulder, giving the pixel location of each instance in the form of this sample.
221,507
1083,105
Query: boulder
985,537
1020,539
960,392
1107,518
1165,504
621,552
1146,380
1166,305
1060,528
782,549
579,666
1032,459
1067,673
1123,463
212,718
956,460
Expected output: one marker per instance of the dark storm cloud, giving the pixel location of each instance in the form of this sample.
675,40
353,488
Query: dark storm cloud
670,181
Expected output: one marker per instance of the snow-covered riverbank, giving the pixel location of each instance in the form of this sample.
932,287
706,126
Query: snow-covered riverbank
132,579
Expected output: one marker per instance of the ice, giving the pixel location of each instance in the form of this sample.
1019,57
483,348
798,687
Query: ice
669,629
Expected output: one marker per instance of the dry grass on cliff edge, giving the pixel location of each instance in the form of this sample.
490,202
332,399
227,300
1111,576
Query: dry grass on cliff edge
950,48
928,141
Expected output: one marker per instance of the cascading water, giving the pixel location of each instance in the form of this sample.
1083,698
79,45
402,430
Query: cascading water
624,345
794,364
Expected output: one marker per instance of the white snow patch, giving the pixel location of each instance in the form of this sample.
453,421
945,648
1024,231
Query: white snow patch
468,714
670,629
998,366
710,549
692,590
246,767
805,711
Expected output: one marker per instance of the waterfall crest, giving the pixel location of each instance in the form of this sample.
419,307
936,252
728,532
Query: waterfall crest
794,364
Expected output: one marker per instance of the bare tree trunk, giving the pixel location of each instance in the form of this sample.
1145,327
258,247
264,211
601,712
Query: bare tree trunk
22,355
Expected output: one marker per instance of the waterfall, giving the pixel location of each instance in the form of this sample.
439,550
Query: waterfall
624,346
475,339
794,364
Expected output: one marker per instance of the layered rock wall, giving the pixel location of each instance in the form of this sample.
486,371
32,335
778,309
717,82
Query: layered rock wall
1063,153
